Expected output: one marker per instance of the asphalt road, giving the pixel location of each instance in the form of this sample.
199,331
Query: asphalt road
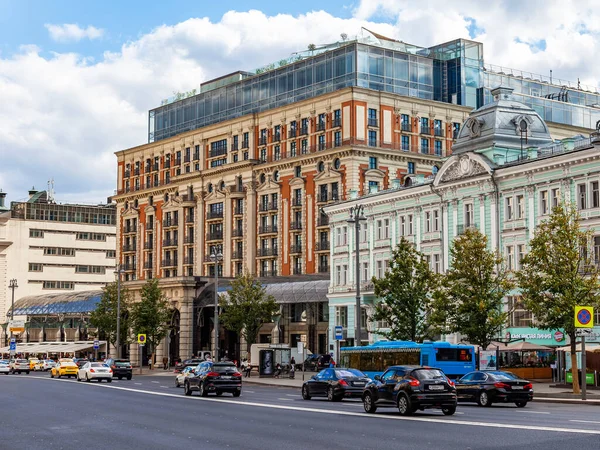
150,413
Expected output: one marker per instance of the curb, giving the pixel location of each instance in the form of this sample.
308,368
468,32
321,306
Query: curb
569,401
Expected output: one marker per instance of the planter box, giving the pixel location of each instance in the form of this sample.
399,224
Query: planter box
589,378
531,373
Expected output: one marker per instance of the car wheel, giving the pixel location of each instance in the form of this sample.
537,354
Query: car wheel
237,393
78,377
51,374
129,377
369,403
404,406
305,394
58,376
483,399
449,410
177,383
330,395
27,372
87,378
109,380
186,389
219,393
120,378
521,404
203,391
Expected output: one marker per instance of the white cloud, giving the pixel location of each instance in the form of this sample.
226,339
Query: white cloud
68,123
69,32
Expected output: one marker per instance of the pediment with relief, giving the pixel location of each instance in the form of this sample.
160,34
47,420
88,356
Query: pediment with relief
216,194
459,167
297,180
174,202
269,184
130,211
328,174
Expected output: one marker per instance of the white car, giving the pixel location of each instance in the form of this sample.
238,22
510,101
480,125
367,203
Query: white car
181,376
95,371
48,364
4,367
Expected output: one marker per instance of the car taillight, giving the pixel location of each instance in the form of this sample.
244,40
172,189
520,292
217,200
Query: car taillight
92,370
528,386
110,371
343,383
237,374
213,374
414,382
451,383
502,385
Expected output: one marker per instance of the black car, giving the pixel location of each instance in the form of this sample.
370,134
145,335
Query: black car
217,377
188,362
335,384
410,388
487,387
315,362
81,362
121,368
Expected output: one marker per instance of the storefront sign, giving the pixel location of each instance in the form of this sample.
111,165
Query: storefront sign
559,336
537,336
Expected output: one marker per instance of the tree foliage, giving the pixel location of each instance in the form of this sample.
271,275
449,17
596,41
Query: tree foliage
104,317
405,292
247,307
559,273
152,315
470,299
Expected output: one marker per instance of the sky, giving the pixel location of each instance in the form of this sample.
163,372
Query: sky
77,78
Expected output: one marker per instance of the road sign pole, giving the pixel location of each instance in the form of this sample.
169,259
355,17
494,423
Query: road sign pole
583,370
140,346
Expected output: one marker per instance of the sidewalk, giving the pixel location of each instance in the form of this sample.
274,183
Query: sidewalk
543,392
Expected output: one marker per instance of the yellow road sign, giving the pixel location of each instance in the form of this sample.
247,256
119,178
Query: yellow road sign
141,339
584,316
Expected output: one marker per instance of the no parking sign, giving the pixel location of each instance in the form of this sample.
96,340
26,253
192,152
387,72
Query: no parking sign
141,339
584,316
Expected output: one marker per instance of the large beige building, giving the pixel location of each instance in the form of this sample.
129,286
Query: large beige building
244,168
49,247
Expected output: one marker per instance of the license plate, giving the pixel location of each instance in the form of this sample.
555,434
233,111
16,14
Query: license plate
436,387
517,387
226,377
359,384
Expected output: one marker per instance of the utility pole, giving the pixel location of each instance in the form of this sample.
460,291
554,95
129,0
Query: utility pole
216,257
118,343
356,216
12,285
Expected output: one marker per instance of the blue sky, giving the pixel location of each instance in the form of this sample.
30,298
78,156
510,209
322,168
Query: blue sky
22,22
77,78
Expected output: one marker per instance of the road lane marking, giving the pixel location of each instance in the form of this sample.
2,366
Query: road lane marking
139,384
156,382
166,387
442,420
249,392
293,395
533,412
584,421
286,399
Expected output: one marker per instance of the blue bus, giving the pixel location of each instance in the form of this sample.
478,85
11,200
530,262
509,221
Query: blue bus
455,360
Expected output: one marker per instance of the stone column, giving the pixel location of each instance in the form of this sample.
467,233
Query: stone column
186,324
199,236
251,228
227,226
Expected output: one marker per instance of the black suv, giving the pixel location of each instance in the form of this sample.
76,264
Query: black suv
315,362
215,377
409,389
121,368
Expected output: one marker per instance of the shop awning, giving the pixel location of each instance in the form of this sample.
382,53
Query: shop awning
588,348
525,346
55,347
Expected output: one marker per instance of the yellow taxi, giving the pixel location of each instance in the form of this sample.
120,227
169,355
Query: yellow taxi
64,369
33,362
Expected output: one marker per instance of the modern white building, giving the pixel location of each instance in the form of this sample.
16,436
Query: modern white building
49,247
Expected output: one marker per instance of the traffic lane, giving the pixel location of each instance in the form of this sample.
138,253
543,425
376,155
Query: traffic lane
535,414
73,416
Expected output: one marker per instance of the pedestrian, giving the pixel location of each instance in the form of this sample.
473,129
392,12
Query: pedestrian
292,368
208,357
165,362
277,371
248,369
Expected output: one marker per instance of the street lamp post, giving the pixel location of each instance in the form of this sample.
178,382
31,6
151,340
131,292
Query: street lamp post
216,256
119,271
12,285
356,216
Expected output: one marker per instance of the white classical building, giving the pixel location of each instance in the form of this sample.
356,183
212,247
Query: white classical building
49,247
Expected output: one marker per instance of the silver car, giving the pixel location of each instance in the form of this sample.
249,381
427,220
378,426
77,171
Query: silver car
4,367
19,365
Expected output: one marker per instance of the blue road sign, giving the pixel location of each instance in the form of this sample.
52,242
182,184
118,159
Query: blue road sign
96,345
339,333
13,346
13,340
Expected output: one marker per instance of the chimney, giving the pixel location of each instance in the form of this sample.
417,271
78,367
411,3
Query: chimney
2,198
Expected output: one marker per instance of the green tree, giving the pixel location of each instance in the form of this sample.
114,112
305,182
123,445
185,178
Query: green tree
247,307
104,317
405,291
472,291
559,273
152,315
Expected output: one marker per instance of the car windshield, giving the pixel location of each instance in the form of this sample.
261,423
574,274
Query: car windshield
97,364
344,373
21,361
429,374
122,363
3,362
504,376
